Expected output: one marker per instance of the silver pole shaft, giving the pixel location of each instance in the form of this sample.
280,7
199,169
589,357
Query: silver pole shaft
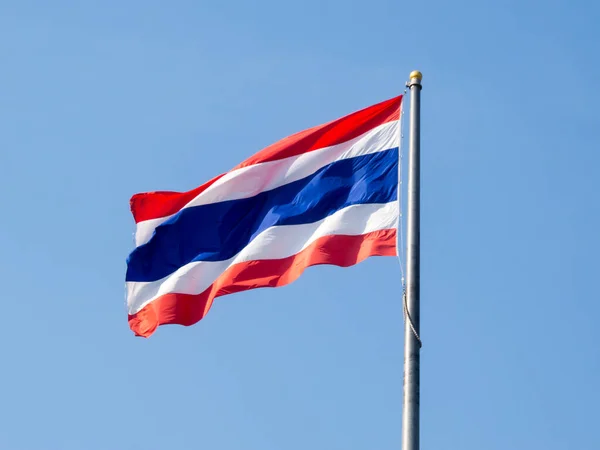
412,346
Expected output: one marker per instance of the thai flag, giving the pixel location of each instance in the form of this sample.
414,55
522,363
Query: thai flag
327,195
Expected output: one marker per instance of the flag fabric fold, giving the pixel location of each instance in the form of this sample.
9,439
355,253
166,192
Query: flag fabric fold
326,195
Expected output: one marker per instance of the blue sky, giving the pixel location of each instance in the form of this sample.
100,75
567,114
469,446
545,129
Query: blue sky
100,100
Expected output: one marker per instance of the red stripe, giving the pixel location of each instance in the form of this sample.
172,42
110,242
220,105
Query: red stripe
152,205
332,133
185,309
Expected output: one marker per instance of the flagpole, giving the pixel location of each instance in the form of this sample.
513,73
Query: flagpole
412,341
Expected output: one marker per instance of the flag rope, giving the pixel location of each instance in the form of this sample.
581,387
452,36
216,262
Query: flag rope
400,248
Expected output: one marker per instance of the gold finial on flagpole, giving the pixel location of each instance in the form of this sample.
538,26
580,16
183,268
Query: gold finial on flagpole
416,74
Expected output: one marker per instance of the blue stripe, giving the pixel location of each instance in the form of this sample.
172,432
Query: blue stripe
218,231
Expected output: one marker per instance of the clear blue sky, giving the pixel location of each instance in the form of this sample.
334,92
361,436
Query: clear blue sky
100,100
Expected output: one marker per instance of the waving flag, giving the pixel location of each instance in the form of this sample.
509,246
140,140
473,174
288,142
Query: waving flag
327,195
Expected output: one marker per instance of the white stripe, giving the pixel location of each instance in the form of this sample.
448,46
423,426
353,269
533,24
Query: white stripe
273,243
249,181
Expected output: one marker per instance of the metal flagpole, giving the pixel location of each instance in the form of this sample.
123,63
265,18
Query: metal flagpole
412,341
